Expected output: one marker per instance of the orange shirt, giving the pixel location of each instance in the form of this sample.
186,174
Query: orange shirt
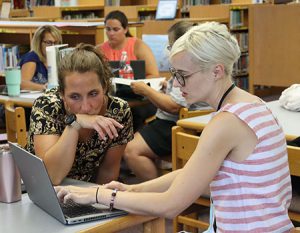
115,55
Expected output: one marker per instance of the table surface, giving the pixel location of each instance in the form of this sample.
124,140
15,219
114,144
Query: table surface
289,120
26,217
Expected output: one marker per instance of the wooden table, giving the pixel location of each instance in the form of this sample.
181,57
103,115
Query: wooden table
289,120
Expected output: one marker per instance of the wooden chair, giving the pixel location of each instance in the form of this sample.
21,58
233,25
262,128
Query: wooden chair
162,164
294,164
15,123
185,113
183,145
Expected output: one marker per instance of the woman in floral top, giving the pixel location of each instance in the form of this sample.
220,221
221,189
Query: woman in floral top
78,129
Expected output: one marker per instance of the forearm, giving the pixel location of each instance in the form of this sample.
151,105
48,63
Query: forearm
29,85
160,184
152,204
60,157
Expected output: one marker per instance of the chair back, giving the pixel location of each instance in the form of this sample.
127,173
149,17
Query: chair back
186,113
15,123
294,164
294,160
184,144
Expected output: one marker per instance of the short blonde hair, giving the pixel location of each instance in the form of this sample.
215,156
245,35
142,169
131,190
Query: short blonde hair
210,43
38,37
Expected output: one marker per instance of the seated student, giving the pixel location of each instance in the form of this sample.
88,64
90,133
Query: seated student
120,39
34,63
78,129
241,152
155,139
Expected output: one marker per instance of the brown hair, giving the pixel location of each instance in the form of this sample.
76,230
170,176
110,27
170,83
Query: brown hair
121,17
178,29
85,58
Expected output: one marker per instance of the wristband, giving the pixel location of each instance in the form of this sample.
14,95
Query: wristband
112,200
97,195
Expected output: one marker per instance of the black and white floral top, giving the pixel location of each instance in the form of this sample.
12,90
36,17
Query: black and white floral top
47,117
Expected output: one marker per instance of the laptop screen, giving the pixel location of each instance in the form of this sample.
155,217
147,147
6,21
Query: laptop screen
166,9
138,66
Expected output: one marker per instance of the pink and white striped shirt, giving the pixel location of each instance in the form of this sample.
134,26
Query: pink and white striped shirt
254,195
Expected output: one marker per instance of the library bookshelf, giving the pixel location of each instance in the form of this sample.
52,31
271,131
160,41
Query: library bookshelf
237,22
18,32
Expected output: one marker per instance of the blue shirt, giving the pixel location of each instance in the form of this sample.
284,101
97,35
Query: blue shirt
40,75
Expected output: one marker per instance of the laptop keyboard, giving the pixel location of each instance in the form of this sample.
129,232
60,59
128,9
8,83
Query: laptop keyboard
72,209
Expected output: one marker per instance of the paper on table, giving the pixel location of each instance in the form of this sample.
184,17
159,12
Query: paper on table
31,95
155,83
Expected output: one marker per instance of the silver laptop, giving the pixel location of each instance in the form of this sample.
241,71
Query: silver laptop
41,192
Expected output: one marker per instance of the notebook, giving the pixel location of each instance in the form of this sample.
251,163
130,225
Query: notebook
41,192
139,72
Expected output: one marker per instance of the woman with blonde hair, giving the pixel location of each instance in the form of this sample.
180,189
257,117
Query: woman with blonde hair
241,153
34,63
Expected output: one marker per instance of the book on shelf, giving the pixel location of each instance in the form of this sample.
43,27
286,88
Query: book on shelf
10,55
112,2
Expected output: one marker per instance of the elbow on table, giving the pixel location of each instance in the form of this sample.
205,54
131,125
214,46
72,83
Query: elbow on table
55,180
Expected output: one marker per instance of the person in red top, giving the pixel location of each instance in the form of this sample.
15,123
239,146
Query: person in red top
119,40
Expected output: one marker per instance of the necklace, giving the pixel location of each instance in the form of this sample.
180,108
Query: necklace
224,96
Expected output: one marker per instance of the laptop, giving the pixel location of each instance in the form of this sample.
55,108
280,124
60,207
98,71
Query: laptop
41,192
139,72
138,66
166,10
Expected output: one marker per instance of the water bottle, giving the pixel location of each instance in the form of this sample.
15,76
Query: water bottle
10,181
123,61
126,70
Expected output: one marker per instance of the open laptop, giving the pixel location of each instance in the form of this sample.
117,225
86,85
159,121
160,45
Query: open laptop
139,72
41,192
138,66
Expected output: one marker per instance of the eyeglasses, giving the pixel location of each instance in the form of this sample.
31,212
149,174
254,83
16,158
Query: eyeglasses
180,77
49,42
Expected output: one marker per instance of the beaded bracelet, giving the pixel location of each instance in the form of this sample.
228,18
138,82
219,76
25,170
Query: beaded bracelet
97,195
112,200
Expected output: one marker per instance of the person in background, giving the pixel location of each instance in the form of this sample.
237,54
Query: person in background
120,39
78,129
154,140
241,152
34,63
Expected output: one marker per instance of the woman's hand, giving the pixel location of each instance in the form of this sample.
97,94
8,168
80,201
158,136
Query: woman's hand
139,88
80,195
164,85
103,125
117,185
